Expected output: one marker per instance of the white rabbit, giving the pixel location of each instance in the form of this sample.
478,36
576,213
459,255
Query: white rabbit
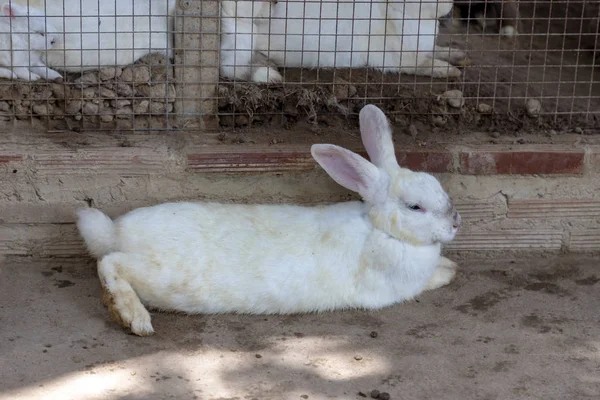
216,258
101,34
24,36
238,56
388,35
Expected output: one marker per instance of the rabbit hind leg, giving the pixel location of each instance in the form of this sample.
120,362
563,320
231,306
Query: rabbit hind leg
119,297
443,274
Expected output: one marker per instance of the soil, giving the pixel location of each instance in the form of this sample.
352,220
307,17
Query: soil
548,61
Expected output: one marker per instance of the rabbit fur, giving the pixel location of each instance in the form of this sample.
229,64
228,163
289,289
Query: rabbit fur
399,36
99,34
267,259
24,36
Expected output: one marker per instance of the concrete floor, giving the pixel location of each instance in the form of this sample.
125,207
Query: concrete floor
524,329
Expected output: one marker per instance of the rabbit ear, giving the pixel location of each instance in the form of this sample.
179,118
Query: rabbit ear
348,169
377,137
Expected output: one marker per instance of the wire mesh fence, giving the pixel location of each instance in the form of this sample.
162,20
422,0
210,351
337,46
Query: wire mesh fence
199,64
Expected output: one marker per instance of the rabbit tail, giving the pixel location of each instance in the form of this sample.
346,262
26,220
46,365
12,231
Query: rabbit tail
97,230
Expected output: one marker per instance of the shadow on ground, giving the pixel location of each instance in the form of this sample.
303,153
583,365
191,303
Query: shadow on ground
503,330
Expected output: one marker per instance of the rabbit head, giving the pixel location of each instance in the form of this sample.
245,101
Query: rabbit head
32,23
409,206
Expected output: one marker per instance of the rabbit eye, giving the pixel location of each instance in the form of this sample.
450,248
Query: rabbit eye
415,207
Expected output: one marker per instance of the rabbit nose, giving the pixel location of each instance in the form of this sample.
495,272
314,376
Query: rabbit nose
456,220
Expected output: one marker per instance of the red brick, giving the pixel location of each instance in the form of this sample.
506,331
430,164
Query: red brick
521,162
428,161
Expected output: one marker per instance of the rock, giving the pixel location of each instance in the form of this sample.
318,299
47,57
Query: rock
484,108
384,396
412,130
578,130
495,134
141,107
136,74
44,93
60,91
552,132
77,117
123,89
454,98
88,93
21,110
5,117
106,93
124,113
73,106
58,113
158,92
120,103
358,358
157,107
90,108
86,80
533,107
374,394
106,74
43,109
438,120
106,116
4,106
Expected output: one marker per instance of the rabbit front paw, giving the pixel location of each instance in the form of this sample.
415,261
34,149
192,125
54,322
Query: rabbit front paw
47,73
443,274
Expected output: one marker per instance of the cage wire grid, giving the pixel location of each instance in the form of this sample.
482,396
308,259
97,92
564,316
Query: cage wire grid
172,65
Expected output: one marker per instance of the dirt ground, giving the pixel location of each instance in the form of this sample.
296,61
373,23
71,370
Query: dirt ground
504,329
548,61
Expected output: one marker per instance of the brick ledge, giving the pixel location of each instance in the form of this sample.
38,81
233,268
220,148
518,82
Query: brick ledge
177,154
